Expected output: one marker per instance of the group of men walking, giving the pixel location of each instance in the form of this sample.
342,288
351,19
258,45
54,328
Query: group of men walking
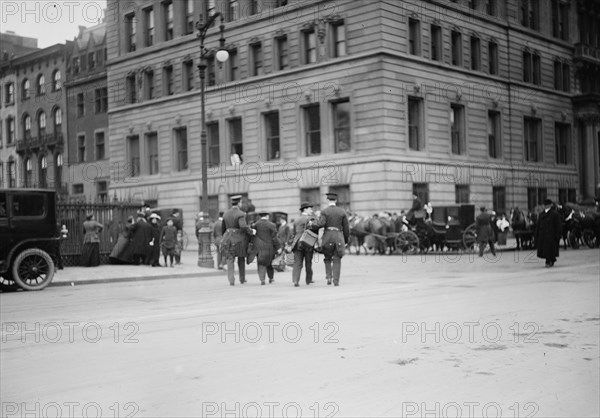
261,240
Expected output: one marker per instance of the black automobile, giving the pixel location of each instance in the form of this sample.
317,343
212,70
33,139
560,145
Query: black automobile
29,238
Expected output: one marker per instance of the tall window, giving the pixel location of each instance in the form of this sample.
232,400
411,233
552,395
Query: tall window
56,81
311,194
41,85
27,126
457,128
461,193
168,80
530,14
152,152
75,65
81,148
57,120
310,46
100,147
272,135
26,89
149,26
493,58
189,16
475,53
282,52
149,84
83,62
536,197
10,130
338,31
43,173
211,75
494,135
100,57
234,65
212,131
456,38
236,140
233,10
131,89
257,59
560,20
80,105
41,125
130,32
91,57
188,75
532,131
414,36
101,100
531,68
491,8
562,76
11,171
58,167
168,16
312,126
28,173
253,7
562,139
499,199
415,123
133,150
102,191
181,148
341,125
9,93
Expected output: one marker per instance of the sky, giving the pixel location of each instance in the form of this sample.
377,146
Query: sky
51,22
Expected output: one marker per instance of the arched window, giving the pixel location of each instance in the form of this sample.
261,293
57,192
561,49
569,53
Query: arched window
27,126
57,119
28,173
41,88
41,124
25,90
43,172
56,81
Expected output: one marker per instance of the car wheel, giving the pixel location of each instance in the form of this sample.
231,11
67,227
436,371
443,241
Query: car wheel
33,269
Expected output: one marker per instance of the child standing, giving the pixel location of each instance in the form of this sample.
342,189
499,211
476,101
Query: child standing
178,246
168,241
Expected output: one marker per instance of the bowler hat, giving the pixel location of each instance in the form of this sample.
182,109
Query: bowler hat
547,201
263,213
482,208
305,205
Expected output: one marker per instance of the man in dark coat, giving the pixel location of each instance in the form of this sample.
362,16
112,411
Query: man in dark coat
302,254
337,233
140,239
548,230
236,233
484,231
267,245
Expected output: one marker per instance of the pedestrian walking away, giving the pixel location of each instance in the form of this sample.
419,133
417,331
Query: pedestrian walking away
302,253
334,221
548,231
267,246
90,253
484,231
236,234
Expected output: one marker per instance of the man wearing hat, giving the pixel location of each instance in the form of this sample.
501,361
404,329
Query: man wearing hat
140,239
484,231
548,230
236,233
337,233
267,246
302,254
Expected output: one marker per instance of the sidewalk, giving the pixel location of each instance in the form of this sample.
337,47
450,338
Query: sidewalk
108,273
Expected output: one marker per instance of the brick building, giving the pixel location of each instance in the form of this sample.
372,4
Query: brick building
464,101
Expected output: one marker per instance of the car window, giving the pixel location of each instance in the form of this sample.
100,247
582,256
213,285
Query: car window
3,213
28,204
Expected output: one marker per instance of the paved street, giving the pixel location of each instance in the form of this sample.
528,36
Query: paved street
402,336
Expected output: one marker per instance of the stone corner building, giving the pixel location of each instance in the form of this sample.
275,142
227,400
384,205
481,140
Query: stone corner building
486,102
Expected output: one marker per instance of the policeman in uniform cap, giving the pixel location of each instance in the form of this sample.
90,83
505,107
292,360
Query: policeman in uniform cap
336,233
236,234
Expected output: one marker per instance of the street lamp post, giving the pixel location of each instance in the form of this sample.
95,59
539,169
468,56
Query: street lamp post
205,254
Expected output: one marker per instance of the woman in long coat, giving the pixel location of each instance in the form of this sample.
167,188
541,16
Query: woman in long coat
548,231
122,252
90,254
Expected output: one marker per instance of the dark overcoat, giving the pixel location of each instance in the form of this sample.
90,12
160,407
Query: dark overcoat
548,231
266,241
483,227
334,240
141,237
236,233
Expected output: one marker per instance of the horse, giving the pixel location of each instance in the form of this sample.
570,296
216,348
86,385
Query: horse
519,224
